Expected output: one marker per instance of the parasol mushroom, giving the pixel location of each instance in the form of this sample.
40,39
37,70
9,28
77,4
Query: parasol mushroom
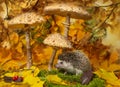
28,18
56,40
68,10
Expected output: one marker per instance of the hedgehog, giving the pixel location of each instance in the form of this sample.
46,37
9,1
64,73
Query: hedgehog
76,62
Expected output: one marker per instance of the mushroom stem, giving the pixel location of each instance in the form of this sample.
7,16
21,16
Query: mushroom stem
67,25
50,65
29,55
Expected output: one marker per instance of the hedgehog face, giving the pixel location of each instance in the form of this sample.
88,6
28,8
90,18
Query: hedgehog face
65,66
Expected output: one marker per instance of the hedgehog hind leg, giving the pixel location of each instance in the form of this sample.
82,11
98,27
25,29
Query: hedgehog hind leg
86,77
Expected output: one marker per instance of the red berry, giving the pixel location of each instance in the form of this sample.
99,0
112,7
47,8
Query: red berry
15,78
20,79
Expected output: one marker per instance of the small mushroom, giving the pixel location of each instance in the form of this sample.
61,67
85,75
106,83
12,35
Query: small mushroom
27,19
56,40
68,10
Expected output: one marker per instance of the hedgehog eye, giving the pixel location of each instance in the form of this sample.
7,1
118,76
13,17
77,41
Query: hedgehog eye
61,62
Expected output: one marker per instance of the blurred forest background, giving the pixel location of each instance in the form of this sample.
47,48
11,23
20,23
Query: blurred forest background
98,37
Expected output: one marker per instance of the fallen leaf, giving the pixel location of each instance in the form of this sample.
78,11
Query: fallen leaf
19,47
55,79
14,37
113,57
110,77
38,84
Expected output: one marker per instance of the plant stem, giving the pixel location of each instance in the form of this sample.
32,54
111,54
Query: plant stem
50,65
67,25
29,55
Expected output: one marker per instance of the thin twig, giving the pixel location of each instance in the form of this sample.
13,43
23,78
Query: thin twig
102,23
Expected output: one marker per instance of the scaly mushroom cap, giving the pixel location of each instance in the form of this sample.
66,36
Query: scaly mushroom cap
57,40
27,18
64,9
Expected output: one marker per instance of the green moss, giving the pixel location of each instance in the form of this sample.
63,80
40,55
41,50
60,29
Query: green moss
97,82
73,80
49,84
70,77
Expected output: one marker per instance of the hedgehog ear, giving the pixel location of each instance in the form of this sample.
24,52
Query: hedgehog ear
60,56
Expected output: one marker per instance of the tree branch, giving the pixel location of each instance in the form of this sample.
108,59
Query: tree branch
102,23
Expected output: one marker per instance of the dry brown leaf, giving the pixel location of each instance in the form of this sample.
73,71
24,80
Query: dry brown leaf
80,35
113,57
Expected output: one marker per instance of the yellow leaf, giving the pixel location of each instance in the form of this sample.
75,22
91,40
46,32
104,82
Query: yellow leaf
19,47
36,70
38,84
55,79
10,65
109,85
4,84
11,74
14,37
23,40
32,42
114,67
113,57
104,64
72,32
80,35
7,59
30,79
108,76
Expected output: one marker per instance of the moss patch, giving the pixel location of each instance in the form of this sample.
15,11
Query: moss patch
72,80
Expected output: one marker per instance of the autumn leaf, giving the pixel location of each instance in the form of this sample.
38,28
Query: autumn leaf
36,70
7,59
33,71
72,32
19,47
55,79
39,84
80,35
22,38
6,44
30,79
108,76
113,67
14,37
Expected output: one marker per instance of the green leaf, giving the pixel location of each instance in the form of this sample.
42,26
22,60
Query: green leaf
48,24
40,39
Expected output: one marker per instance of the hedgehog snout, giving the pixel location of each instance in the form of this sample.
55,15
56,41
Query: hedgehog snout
56,66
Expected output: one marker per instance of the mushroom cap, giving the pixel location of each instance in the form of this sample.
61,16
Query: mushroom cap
64,9
57,40
26,18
